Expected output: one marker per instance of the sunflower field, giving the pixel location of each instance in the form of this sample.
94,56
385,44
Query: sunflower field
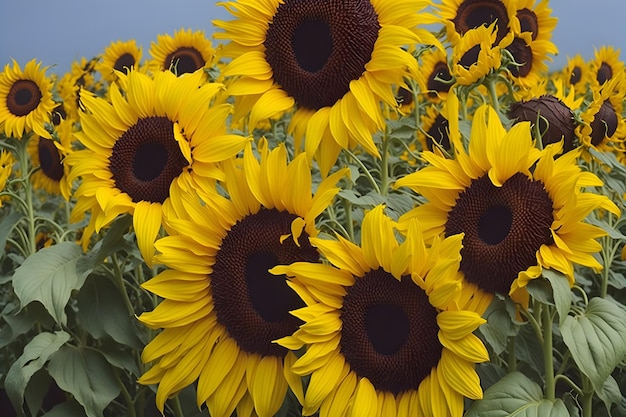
368,208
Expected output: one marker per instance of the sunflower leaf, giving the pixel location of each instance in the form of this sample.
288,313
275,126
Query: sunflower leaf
516,395
34,357
102,312
85,374
49,276
560,292
597,339
7,225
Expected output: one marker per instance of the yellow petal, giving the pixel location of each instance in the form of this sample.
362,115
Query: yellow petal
147,223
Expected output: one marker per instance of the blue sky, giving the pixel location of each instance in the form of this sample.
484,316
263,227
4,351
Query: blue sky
57,33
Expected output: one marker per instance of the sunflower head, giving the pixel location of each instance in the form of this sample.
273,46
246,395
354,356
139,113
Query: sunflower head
377,325
119,56
25,99
605,65
461,16
434,78
476,54
185,52
527,59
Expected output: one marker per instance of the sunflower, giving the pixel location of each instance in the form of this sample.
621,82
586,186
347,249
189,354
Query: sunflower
218,291
6,168
603,127
335,60
185,52
47,156
529,59
520,209
577,74
381,327
476,55
155,134
25,100
119,56
461,16
434,130
535,18
605,66
434,77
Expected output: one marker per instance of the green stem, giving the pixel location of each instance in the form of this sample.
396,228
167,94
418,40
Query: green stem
130,404
365,171
608,254
23,159
384,164
569,382
512,360
548,358
493,94
178,410
587,397
119,279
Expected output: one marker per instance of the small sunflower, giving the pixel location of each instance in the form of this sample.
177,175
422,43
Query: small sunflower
47,155
603,126
222,308
605,65
335,60
381,327
519,208
534,18
461,16
25,100
434,130
6,168
476,55
155,134
529,56
434,76
576,73
119,56
185,52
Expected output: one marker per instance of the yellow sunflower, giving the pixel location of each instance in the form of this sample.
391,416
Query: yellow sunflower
520,209
119,56
434,76
477,54
605,65
434,129
603,127
382,332
529,56
6,168
576,74
185,52
335,60
461,16
48,156
535,18
25,100
222,308
155,134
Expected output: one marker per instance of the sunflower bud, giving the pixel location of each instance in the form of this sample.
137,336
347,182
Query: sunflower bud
555,119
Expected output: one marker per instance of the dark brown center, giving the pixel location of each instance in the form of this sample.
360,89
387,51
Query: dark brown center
389,332
604,123
438,132
474,13
250,302
528,22
439,80
523,56
146,159
605,73
575,76
124,63
504,228
50,159
184,60
315,48
24,96
470,57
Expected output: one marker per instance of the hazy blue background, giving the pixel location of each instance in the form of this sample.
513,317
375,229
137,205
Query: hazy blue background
58,32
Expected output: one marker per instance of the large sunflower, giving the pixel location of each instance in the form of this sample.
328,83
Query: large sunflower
222,308
156,133
383,334
119,56
185,52
520,209
336,60
25,100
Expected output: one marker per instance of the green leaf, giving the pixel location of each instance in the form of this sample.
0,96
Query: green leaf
85,374
49,276
561,292
34,357
516,395
597,339
7,225
67,409
112,242
500,316
20,322
102,311
609,393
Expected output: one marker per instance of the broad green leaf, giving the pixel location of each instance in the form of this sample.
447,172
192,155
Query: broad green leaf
67,409
20,322
49,276
34,357
610,393
112,242
516,395
561,291
500,316
6,227
597,339
86,375
102,311
36,389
